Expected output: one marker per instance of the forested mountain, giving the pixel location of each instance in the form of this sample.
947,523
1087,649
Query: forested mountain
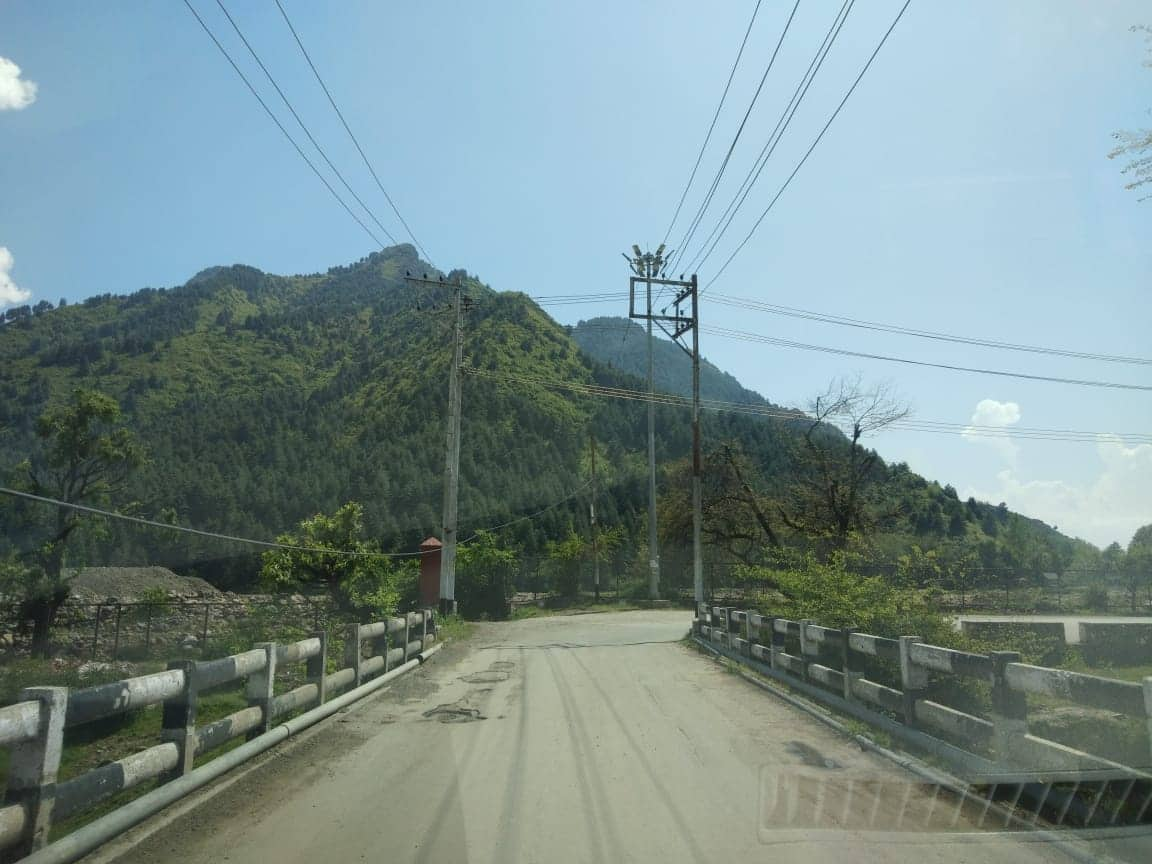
263,399
623,344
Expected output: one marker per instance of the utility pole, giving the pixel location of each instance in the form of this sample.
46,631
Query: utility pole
592,518
452,446
647,267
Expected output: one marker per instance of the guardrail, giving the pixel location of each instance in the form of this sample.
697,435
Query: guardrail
34,727
1071,786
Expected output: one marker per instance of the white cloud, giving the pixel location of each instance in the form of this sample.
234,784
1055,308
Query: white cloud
15,92
10,293
1109,508
990,425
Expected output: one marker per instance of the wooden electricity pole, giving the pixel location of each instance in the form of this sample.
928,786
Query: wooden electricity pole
592,519
452,446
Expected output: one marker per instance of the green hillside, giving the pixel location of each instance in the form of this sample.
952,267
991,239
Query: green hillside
264,399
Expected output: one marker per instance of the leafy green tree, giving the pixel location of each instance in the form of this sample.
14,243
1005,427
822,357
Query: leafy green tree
485,576
333,553
1136,571
565,560
1136,145
833,594
86,455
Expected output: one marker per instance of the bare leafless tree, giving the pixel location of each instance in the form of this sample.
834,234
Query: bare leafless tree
832,478
1136,145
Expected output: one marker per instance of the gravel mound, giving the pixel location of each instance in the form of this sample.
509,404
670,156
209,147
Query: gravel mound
127,583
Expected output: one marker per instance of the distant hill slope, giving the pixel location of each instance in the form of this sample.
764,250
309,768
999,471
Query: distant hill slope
265,399
623,344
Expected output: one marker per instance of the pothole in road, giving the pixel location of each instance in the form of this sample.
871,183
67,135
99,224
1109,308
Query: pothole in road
494,674
810,756
489,677
454,713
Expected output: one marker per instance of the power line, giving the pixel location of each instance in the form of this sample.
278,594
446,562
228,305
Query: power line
827,318
766,410
786,343
280,126
711,127
807,314
299,121
782,124
724,164
808,153
151,523
348,129
539,512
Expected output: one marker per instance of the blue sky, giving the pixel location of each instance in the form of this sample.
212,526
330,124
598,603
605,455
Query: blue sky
965,186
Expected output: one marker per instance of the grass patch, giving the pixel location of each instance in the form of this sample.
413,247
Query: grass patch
454,627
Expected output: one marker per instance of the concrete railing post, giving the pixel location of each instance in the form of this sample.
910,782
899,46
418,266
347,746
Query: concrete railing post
1009,709
423,629
386,642
846,661
353,656
406,637
317,667
262,687
804,647
1148,709
178,721
33,768
775,643
729,633
748,633
913,679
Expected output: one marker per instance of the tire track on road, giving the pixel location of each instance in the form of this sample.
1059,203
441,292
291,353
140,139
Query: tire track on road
508,832
595,818
679,819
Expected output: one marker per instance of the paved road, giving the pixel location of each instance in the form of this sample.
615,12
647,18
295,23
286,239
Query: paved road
595,738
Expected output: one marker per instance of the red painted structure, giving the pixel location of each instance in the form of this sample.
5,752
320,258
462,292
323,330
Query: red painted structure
430,572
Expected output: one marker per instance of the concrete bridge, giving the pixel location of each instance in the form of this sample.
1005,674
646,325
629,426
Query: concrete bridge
571,739
581,738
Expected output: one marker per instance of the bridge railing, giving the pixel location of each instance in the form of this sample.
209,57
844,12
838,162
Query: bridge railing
833,665
34,728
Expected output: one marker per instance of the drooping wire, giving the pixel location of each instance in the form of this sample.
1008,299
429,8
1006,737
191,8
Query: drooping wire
825,318
782,124
151,523
786,343
300,122
280,126
348,129
766,410
712,126
728,156
808,152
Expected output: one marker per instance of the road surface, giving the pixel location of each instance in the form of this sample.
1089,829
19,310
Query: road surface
591,738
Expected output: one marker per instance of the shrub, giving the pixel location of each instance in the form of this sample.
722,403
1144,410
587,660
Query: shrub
485,574
1096,598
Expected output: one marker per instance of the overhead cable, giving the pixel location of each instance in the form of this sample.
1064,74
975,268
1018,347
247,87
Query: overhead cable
728,156
812,147
787,343
782,124
151,523
826,318
348,129
300,122
379,243
712,126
